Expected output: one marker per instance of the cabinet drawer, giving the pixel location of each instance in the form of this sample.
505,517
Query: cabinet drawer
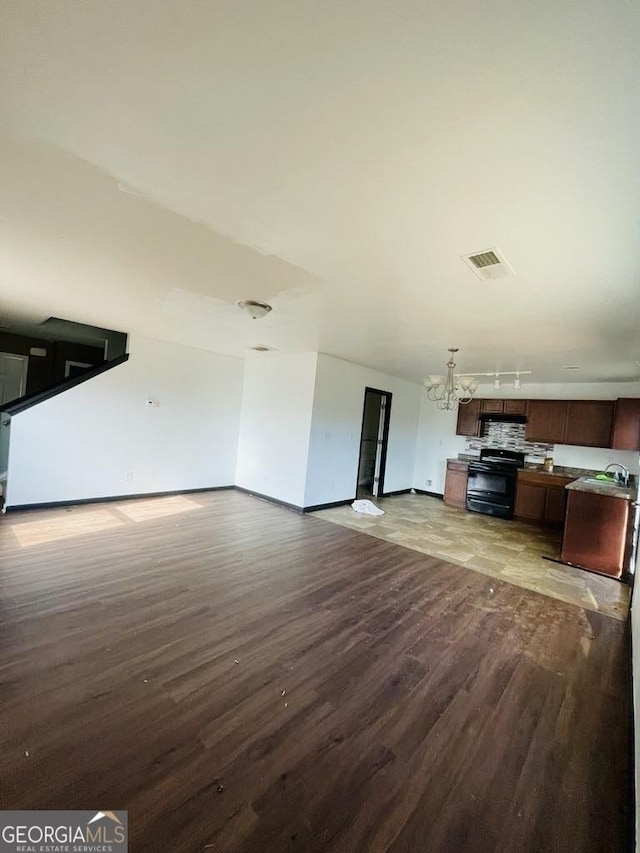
540,478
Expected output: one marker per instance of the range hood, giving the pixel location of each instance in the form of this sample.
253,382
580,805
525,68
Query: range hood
503,419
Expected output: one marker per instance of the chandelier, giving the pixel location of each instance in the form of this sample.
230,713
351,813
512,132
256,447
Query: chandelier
451,389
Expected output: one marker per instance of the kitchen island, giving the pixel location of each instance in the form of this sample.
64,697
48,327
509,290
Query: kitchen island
598,529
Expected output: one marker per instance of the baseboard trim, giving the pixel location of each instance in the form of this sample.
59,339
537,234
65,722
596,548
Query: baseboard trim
269,498
112,498
430,494
317,507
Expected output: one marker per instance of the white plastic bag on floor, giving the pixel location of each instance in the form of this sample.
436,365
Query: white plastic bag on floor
367,507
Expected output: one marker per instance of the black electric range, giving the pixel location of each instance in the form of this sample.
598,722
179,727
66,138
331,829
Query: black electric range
491,487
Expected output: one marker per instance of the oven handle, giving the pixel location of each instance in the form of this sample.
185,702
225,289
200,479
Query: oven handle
478,467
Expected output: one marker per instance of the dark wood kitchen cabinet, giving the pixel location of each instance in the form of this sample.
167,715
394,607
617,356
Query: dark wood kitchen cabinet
555,505
626,424
596,533
541,498
469,422
503,407
546,421
469,418
585,423
589,423
455,485
491,407
514,407
530,501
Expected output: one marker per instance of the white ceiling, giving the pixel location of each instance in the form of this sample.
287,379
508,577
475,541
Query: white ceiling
160,160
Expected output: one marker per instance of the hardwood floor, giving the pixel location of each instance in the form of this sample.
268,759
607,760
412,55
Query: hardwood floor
243,678
505,549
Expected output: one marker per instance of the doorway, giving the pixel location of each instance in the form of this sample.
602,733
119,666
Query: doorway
374,437
13,376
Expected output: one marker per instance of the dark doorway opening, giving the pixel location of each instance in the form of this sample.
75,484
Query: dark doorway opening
373,443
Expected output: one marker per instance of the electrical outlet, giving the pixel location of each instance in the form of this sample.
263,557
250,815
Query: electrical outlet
429,482
128,475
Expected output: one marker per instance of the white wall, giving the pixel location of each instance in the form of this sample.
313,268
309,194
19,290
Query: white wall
337,422
82,443
277,402
437,440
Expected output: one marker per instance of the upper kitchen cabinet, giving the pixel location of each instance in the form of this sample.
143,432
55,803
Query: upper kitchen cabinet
586,423
469,418
626,424
589,423
514,407
491,407
546,421
503,407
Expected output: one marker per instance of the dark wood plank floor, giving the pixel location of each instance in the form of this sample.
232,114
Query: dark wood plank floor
242,678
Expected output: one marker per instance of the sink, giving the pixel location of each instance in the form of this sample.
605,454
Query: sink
597,482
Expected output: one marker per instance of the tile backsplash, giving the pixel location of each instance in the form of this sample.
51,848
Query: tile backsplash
511,437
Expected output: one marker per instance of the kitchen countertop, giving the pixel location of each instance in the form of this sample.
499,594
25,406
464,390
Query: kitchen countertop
558,471
580,478
610,490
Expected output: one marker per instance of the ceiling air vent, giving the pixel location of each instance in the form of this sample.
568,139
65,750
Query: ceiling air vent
489,264
263,348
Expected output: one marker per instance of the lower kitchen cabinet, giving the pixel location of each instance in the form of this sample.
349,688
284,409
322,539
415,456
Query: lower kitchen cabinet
541,498
455,486
555,505
530,501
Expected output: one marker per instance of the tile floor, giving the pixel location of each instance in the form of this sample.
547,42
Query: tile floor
508,550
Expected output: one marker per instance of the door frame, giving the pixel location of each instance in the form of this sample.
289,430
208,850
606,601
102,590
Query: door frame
25,370
385,437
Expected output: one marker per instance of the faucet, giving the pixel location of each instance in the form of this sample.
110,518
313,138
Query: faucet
622,476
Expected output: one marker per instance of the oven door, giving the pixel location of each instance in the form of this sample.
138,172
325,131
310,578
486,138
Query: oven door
491,490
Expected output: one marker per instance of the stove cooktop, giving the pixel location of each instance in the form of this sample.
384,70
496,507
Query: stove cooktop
500,456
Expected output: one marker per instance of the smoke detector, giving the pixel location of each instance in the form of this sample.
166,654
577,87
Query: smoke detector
256,310
489,264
